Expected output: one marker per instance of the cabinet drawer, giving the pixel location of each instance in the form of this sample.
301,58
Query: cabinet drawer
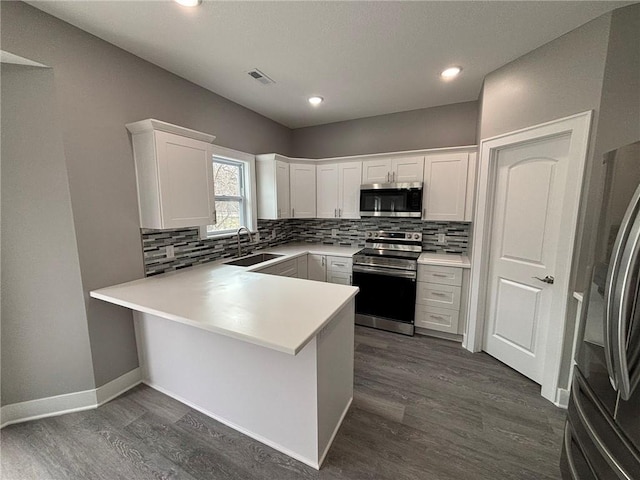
438,295
339,277
339,264
440,319
442,275
284,269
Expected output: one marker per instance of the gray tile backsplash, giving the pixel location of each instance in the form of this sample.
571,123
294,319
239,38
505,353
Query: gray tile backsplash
190,250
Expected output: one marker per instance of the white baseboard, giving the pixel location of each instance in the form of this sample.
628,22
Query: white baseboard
69,402
248,433
118,386
562,398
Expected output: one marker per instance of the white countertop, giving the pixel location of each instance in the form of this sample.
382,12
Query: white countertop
444,259
281,313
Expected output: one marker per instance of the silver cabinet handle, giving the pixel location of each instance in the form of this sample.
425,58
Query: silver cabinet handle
394,177
438,294
339,212
215,217
350,279
335,212
339,264
442,275
424,213
293,212
323,261
387,177
437,317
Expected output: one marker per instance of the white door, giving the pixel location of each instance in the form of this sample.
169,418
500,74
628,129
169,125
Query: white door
327,190
525,239
282,189
407,169
445,186
376,171
303,190
349,175
185,170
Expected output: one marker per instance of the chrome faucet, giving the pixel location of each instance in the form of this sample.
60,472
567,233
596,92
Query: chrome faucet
238,234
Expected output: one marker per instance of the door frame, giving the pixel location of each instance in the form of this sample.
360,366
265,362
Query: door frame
579,127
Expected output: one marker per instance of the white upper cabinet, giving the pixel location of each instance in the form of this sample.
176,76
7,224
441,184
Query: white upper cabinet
407,169
445,187
303,190
393,170
174,173
376,171
327,188
272,179
349,175
339,190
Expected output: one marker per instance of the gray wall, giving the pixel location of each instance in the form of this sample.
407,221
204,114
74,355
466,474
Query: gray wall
558,79
45,340
595,67
100,88
445,126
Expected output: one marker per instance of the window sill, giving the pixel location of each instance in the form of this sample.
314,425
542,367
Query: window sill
220,236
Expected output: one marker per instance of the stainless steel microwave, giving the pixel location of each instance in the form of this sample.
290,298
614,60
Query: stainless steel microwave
391,200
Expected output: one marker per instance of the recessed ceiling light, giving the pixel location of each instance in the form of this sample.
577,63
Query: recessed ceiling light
189,3
315,100
451,72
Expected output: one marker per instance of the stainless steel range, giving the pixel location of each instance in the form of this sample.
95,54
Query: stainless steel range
386,272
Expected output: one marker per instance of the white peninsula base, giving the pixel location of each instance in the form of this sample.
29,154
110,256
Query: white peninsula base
293,403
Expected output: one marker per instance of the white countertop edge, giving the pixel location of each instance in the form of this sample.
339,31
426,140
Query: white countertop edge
222,331
443,261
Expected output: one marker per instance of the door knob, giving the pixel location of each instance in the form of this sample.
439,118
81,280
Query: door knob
548,279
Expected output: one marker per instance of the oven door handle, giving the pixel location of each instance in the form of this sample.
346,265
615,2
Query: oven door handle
388,272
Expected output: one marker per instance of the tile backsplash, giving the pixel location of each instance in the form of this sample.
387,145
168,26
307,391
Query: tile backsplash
190,250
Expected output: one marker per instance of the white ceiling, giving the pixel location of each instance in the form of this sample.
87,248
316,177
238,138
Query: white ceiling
364,58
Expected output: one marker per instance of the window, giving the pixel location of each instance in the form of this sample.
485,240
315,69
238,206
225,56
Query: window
234,186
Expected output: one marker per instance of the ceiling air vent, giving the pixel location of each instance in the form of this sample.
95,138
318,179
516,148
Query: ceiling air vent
260,77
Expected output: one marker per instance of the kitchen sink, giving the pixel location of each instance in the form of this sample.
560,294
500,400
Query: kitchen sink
253,259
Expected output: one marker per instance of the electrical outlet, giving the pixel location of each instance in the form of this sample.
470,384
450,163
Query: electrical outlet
442,239
170,251
273,234
256,237
334,233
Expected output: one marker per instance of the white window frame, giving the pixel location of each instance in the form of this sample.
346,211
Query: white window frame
250,191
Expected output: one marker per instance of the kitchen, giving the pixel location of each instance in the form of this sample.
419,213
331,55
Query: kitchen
101,221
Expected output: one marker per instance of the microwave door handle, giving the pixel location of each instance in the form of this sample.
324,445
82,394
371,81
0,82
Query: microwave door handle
615,289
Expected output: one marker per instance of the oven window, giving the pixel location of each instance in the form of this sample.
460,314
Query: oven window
384,296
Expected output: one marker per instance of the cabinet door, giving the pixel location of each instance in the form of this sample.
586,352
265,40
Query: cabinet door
317,267
303,190
349,180
282,189
185,171
376,171
327,190
303,267
445,186
407,169
339,277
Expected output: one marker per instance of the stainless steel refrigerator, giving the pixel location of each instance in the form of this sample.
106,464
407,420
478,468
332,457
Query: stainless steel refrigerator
602,433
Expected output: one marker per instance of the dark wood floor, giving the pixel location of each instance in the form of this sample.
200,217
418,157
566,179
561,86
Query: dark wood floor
423,409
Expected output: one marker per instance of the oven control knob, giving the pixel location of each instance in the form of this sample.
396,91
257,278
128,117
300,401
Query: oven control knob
416,236
369,234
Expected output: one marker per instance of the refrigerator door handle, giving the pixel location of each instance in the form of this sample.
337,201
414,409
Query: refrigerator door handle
625,299
614,291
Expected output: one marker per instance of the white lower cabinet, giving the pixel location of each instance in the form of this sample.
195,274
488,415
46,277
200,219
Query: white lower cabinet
317,267
331,269
339,270
439,298
303,267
